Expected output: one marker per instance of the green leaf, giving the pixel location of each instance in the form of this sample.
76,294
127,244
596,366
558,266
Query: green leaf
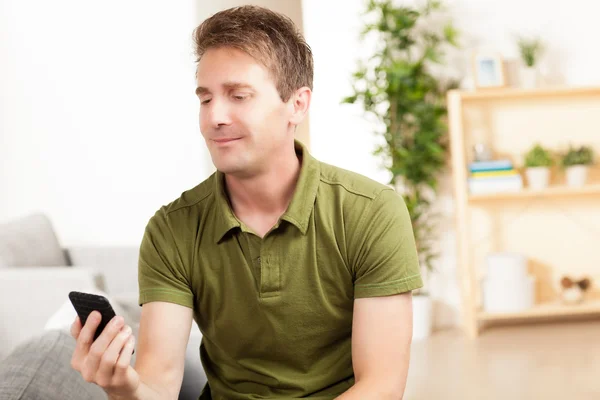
350,99
451,35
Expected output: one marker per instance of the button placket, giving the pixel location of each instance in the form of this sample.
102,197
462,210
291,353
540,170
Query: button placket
270,279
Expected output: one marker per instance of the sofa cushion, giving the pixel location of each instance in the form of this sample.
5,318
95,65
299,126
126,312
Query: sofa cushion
30,241
41,369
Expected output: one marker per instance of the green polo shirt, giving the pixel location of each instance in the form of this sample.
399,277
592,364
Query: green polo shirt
276,312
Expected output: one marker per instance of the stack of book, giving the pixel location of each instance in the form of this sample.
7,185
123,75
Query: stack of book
493,177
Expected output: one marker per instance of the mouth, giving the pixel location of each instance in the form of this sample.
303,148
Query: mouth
225,141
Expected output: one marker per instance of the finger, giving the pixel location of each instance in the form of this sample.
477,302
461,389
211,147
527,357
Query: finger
98,348
86,334
77,357
125,376
84,342
76,328
106,368
124,360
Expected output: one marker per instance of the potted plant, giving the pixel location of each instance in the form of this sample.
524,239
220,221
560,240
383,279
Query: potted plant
397,86
576,162
538,161
529,49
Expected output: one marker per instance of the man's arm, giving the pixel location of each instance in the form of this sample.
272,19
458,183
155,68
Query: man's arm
381,337
163,337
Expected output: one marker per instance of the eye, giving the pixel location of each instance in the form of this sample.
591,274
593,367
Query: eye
240,97
204,102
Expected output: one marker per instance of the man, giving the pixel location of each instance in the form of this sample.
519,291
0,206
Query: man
297,273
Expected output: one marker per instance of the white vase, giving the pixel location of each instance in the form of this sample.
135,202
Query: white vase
529,77
422,317
577,175
508,295
538,177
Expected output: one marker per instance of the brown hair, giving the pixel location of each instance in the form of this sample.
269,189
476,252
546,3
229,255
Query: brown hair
269,37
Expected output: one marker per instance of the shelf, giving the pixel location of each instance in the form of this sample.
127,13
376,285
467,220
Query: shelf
545,310
552,191
517,93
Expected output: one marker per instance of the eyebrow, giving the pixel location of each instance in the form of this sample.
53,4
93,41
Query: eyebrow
227,85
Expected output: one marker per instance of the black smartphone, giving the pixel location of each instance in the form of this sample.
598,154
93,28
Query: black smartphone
85,303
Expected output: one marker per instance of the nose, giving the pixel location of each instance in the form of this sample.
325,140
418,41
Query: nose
219,113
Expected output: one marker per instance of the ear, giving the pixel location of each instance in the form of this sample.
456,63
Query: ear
300,101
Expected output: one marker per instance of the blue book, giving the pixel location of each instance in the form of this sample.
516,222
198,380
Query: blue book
495,165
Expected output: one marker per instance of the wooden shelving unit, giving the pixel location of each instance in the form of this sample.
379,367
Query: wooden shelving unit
544,311
555,244
528,94
550,192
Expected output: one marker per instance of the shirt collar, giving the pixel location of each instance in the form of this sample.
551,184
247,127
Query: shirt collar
303,200
225,218
298,212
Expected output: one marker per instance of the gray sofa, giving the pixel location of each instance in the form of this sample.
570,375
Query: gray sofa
36,274
40,369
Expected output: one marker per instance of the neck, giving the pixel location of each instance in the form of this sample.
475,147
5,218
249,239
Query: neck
267,193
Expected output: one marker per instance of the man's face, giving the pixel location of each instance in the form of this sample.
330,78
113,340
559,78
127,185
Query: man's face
243,120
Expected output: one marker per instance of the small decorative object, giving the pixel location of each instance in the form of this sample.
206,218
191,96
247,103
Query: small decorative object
482,152
576,162
537,163
573,291
489,71
530,49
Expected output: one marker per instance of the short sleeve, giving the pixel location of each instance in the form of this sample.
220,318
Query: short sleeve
386,260
161,273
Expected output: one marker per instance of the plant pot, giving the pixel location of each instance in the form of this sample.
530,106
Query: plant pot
577,175
538,177
572,296
422,317
529,77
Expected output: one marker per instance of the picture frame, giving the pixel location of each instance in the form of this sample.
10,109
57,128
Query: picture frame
489,71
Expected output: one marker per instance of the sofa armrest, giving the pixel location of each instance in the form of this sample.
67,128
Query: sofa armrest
31,295
118,265
101,256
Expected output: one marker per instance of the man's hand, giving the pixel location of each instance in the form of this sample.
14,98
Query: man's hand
106,361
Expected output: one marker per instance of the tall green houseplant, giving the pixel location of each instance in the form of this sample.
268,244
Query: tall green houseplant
397,85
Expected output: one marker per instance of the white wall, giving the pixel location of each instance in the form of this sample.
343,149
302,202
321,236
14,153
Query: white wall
341,135
291,8
98,117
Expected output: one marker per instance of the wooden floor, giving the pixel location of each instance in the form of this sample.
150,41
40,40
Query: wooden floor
544,361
